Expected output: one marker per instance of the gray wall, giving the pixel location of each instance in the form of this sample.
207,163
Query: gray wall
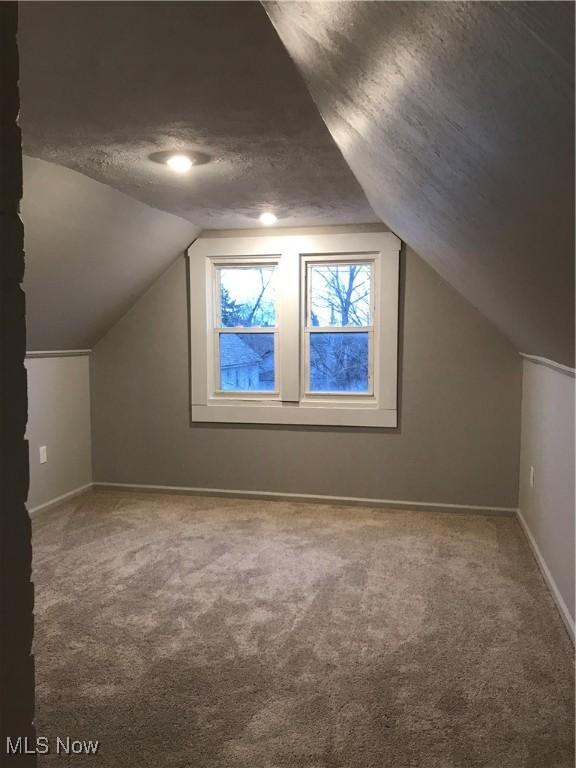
91,250
548,446
458,440
59,418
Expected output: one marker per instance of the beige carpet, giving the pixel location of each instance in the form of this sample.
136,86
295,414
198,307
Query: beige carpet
208,633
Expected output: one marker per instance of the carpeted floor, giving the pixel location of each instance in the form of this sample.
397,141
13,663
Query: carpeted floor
198,632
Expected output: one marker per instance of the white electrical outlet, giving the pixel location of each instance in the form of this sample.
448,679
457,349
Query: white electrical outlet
532,476
43,454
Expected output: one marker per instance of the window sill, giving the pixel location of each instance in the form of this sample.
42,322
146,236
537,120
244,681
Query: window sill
287,413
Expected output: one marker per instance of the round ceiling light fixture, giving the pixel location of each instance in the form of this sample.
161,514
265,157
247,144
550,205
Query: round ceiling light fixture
268,218
179,163
180,160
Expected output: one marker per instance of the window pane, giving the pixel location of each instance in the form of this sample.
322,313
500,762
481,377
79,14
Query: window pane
339,362
247,297
246,362
340,294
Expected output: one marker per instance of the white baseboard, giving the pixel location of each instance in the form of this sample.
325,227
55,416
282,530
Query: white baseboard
548,578
310,497
60,499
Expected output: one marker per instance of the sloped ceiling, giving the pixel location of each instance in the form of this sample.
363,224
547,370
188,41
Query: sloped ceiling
90,252
458,121
105,85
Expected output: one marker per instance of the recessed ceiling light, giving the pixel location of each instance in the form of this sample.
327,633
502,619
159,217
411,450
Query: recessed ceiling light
179,163
268,218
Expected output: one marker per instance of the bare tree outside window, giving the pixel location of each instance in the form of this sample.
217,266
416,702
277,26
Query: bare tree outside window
247,300
339,298
339,327
339,362
247,297
340,294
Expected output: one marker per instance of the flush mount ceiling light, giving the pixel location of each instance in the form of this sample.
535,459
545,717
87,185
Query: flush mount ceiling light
180,160
268,218
179,163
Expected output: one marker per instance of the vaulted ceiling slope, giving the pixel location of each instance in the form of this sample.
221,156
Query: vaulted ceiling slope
90,252
105,85
458,121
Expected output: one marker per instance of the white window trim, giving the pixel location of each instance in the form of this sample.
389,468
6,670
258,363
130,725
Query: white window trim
290,405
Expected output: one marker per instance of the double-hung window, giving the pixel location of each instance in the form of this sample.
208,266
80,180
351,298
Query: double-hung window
295,329
245,330
338,349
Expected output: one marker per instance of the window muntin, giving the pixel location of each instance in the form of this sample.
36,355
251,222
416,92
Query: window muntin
245,328
338,330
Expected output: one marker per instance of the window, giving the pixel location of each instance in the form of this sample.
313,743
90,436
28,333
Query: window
295,330
245,328
338,332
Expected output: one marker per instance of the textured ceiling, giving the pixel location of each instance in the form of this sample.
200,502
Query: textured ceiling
104,85
90,252
458,121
